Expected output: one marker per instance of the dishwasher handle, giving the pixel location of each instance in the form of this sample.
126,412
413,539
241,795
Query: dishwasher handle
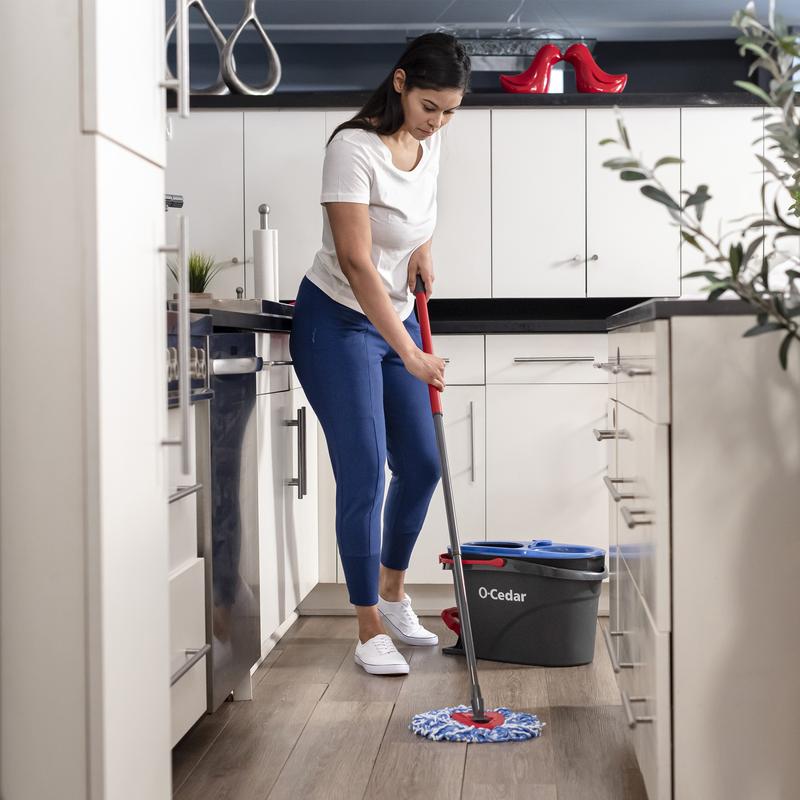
237,366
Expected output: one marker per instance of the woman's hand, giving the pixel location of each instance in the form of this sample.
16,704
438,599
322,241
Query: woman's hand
421,263
428,368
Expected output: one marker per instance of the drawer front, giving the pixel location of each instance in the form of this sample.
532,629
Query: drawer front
182,532
641,355
187,632
545,358
644,682
465,359
175,474
644,514
274,377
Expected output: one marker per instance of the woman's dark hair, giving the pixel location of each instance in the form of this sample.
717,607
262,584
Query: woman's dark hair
431,61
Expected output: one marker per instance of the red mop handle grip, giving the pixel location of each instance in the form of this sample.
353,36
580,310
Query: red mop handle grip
487,562
427,341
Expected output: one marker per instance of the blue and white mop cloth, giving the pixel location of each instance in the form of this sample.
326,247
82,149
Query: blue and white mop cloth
440,726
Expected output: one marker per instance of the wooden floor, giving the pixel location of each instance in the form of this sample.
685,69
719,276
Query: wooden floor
320,727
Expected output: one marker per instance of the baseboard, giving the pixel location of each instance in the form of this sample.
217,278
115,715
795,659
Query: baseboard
268,644
331,599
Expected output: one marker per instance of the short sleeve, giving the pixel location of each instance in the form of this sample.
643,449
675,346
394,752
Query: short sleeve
346,172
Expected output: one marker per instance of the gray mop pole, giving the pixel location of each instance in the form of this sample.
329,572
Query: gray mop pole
478,712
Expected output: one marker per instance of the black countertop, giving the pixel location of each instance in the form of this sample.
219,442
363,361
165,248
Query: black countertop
499,99
666,308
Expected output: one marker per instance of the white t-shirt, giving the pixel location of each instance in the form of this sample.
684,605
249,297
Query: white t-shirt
358,168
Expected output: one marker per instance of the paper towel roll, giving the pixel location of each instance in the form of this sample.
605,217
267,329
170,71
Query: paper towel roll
265,264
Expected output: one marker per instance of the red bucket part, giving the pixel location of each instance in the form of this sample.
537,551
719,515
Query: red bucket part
495,719
451,619
444,558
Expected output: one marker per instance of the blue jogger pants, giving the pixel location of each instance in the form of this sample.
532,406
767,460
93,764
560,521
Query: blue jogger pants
371,409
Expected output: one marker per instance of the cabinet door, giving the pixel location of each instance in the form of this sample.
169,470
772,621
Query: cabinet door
301,565
462,252
205,167
283,157
272,410
122,64
464,410
632,247
543,465
538,203
718,150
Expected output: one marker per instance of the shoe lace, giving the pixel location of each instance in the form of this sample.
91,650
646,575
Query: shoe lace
384,645
408,613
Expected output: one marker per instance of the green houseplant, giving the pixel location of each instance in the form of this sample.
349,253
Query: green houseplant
734,262
202,269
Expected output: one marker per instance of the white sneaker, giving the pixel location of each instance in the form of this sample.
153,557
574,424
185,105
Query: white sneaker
379,656
401,621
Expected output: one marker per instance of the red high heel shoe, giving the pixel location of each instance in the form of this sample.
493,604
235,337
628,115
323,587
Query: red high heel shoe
535,79
588,76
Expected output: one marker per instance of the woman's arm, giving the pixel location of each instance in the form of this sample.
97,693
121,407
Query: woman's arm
353,241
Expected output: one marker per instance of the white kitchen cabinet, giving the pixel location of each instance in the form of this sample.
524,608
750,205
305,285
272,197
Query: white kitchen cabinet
288,524
544,466
706,608
122,64
718,150
283,157
632,249
205,166
538,202
462,241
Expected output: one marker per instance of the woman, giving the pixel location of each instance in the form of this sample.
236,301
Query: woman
355,339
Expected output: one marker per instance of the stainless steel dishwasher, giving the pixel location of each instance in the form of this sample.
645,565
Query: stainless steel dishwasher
228,528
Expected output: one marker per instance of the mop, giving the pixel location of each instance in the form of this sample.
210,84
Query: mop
463,723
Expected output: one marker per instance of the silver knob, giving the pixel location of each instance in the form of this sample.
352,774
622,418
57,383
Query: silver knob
239,292
594,257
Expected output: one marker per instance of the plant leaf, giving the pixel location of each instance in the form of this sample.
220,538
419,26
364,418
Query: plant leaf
763,327
756,90
687,237
783,353
659,196
607,141
667,160
619,163
632,175
623,133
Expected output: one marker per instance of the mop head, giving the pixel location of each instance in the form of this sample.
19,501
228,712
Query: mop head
455,725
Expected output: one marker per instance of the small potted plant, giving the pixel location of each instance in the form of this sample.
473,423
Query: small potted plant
202,269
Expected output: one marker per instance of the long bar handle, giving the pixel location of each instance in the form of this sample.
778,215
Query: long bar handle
551,359
184,491
194,655
633,720
472,441
615,495
300,424
182,83
602,435
629,516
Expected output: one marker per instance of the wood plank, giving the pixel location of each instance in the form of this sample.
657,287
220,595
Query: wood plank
307,663
312,630
351,682
334,756
246,761
588,685
593,754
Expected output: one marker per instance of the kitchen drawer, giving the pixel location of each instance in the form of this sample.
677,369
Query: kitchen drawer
187,632
465,359
274,377
545,358
644,509
641,355
644,683
182,531
175,475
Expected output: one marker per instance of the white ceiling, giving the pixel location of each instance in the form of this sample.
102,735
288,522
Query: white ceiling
366,21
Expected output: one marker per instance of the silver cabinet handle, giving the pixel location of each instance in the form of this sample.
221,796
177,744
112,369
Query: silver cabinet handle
632,372
446,360
184,491
193,656
551,359
300,424
278,363
615,495
184,332
630,517
593,257
609,367
182,83
633,720
472,440
236,366
615,665
602,435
